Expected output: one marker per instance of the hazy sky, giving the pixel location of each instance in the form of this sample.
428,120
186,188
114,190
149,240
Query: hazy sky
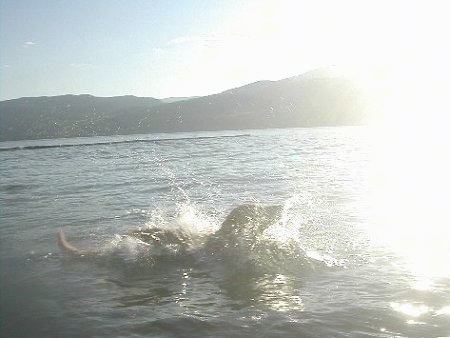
184,48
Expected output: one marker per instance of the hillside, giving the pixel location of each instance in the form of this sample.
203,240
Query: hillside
316,98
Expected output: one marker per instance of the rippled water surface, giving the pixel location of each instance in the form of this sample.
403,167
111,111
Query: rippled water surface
290,233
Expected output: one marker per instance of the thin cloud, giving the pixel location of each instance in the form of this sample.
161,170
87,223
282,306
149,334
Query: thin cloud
196,39
205,40
29,44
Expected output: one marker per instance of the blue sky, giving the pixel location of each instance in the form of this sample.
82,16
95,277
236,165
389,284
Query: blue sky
185,48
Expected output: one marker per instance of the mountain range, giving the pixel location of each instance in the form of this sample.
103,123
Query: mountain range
316,98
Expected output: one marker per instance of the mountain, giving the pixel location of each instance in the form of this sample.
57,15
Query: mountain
317,98
67,115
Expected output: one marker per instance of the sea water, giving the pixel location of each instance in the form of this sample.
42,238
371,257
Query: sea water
334,236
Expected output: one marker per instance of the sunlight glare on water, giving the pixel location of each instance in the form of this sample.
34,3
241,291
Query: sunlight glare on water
409,184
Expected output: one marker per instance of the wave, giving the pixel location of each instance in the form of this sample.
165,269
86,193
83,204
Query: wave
156,141
15,188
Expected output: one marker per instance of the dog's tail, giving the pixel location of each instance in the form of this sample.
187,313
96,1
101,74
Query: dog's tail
69,248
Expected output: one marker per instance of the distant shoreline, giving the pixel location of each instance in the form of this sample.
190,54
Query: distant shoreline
313,99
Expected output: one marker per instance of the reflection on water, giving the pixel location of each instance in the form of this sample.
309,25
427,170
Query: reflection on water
279,293
413,310
408,204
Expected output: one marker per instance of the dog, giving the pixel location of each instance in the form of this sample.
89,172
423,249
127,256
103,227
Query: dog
246,222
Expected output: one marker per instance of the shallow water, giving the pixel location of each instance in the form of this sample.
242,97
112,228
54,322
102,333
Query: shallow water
321,255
